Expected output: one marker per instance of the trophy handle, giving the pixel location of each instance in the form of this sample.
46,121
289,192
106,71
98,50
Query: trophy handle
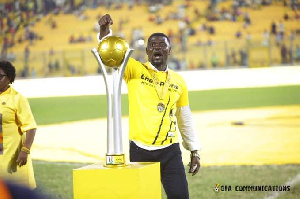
109,107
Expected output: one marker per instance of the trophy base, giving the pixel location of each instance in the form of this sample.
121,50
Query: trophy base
135,180
115,160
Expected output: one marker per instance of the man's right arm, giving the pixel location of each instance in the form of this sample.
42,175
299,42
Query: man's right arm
105,21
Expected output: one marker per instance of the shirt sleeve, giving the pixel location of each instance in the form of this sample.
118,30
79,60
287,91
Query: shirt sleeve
186,128
24,115
184,97
131,69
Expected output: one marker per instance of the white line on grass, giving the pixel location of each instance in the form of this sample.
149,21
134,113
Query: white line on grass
292,182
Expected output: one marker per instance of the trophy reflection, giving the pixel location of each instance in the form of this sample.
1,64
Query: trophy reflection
114,53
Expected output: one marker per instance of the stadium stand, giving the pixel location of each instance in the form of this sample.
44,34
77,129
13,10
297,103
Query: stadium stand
203,35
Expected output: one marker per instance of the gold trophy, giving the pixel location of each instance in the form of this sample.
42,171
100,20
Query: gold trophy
114,53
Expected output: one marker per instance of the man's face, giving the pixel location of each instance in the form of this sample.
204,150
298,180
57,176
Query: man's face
158,49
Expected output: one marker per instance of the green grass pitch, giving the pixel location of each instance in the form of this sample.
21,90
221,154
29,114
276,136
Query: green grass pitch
64,109
200,186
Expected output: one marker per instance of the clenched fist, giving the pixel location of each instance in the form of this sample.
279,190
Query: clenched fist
105,21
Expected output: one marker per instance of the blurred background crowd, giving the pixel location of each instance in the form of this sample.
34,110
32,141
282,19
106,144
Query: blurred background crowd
46,38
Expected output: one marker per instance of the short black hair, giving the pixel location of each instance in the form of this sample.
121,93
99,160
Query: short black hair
8,69
159,34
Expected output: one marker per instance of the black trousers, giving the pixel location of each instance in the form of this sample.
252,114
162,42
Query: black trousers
172,170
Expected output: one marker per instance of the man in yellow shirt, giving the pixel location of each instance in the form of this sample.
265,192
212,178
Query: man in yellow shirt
158,103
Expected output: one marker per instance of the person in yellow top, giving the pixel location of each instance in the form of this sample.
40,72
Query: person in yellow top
158,106
18,127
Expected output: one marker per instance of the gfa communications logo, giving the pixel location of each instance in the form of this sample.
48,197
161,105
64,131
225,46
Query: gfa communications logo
222,188
217,188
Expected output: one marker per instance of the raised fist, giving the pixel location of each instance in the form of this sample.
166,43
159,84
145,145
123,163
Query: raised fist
105,21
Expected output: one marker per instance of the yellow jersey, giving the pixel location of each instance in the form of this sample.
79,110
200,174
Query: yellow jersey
152,120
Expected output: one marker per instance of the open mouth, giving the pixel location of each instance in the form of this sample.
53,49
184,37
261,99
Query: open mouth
157,55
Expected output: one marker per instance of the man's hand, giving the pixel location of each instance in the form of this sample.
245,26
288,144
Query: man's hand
195,163
105,21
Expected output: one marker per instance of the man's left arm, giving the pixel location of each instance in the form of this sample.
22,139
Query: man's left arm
188,134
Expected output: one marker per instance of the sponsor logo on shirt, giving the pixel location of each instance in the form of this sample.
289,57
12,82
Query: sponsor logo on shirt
148,81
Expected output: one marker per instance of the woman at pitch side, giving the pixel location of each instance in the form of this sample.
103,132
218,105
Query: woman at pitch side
18,128
158,100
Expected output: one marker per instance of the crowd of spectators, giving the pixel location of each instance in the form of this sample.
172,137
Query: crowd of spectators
80,39
16,16
213,12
